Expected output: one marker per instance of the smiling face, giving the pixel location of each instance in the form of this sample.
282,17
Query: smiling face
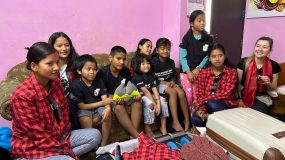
46,69
146,48
199,23
262,49
62,45
217,58
145,66
163,51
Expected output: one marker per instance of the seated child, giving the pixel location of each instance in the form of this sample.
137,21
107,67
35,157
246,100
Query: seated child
144,47
90,94
153,104
113,75
165,73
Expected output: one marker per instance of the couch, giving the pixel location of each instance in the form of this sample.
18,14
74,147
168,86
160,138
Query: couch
19,72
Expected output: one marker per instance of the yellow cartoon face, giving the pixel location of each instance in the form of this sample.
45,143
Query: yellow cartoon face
269,5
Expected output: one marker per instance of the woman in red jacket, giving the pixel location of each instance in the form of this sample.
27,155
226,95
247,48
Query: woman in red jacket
215,86
39,111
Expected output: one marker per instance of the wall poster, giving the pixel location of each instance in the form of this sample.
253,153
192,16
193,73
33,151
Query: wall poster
193,5
265,8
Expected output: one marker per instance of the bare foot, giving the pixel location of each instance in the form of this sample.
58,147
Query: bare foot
194,130
148,131
177,127
163,131
187,126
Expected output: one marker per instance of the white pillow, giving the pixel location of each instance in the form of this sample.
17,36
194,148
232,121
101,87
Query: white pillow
272,93
281,90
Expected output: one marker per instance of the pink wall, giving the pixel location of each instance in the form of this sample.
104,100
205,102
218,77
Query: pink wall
175,24
94,26
272,27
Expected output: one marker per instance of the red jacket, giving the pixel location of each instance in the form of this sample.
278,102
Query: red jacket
36,133
225,91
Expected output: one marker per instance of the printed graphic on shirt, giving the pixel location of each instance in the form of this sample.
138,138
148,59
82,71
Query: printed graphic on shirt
205,47
96,91
164,75
123,81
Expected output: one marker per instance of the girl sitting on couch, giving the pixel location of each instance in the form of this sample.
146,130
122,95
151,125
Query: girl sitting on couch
39,112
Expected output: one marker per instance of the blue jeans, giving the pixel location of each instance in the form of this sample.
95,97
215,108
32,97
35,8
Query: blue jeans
211,107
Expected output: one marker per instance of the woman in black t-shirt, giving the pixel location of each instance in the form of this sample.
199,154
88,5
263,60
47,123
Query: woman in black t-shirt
258,74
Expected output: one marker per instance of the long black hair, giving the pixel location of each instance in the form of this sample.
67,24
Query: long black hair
73,54
142,42
140,58
220,47
193,16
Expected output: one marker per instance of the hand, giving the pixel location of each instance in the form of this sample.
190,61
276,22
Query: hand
172,84
195,72
121,101
240,103
137,98
151,106
202,114
106,114
157,109
263,79
107,101
190,76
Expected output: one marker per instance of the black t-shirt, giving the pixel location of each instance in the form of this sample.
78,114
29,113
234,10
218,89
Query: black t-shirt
82,93
144,80
275,69
164,71
196,49
112,82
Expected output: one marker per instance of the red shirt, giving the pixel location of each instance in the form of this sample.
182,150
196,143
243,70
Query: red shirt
36,133
225,88
149,149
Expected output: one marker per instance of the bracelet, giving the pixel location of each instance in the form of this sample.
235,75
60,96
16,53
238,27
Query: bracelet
198,68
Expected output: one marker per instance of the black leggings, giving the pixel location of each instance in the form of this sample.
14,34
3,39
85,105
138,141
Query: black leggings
260,106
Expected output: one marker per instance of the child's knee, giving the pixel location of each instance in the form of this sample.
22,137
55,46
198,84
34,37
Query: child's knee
171,91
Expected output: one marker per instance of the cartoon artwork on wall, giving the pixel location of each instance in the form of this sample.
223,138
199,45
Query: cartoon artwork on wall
265,8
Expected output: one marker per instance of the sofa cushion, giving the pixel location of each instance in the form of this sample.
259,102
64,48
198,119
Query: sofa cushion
19,73
7,87
281,89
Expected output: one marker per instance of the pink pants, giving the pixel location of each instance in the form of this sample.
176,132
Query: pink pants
189,89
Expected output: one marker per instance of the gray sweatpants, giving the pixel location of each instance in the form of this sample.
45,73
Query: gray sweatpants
81,142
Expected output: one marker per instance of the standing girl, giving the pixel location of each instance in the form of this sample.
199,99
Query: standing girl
215,86
153,104
166,75
39,111
193,53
